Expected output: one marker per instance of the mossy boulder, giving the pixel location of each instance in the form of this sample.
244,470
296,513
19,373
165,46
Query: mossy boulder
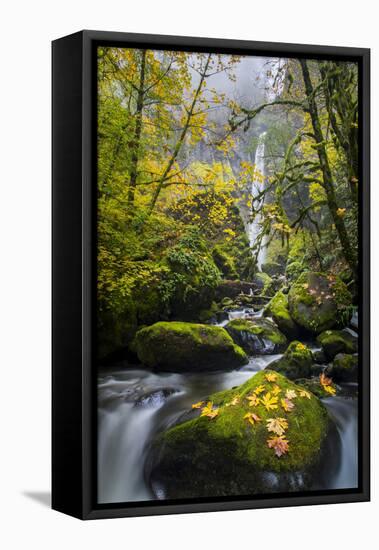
257,335
277,308
344,368
337,341
296,362
272,268
178,346
319,302
227,455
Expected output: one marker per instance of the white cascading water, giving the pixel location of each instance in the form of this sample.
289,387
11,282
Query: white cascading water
257,185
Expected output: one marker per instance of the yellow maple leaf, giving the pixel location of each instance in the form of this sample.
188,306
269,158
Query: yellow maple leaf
253,400
198,405
209,411
277,425
287,404
279,444
330,389
276,390
341,212
290,394
259,389
305,393
271,377
269,401
252,418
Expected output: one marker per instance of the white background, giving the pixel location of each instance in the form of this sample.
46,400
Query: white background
27,27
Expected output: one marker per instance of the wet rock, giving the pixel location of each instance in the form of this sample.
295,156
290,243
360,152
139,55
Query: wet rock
226,455
319,302
155,397
296,361
277,308
344,368
178,346
257,335
337,341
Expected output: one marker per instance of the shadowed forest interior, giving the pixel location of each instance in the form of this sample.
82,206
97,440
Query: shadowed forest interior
227,203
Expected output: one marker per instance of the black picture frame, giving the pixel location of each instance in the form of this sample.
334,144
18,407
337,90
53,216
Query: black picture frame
74,273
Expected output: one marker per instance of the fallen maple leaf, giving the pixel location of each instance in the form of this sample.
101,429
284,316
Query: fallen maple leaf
271,377
279,444
198,405
287,404
330,389
305,393
290,394
253,400
276,390
252,418
269,401
209,411
259,389
277,425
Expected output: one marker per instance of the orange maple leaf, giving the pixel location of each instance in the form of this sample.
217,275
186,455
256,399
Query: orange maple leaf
279,444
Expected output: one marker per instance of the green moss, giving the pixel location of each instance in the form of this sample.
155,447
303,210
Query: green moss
344,368
277,308
224,262
181,346
296,361
337,341
247,444
257,335
318,302
264,283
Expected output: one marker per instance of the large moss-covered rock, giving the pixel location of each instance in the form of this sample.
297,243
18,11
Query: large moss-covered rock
337,341
257,335
228,454
178,346
319,302
296,362
344,368
277,308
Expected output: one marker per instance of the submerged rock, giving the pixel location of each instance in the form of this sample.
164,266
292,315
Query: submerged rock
257,335
178,346
155,398
337,341
319,302
231,453
277,308
296,362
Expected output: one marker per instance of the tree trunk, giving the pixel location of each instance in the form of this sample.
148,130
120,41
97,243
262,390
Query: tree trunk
135,144
326,171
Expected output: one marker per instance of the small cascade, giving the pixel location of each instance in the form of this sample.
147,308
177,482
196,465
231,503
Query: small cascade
257,185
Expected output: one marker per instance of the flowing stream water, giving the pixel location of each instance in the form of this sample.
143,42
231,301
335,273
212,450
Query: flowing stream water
134,404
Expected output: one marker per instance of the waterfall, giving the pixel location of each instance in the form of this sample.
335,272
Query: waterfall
257,186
